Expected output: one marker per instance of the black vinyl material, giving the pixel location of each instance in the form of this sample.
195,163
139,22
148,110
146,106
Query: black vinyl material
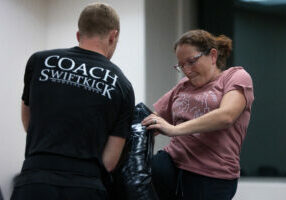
133,179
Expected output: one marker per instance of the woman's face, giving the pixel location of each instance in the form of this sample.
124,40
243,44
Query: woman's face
199,68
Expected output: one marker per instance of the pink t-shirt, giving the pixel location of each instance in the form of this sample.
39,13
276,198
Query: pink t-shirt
214,154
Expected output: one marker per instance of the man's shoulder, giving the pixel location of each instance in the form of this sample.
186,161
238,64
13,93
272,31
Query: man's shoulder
52,51
44,53
120,73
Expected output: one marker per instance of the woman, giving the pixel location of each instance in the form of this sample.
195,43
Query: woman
206,114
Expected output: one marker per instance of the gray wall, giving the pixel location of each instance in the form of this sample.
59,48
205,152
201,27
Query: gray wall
161,31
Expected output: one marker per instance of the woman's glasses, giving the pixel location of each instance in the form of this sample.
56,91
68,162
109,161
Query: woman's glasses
189,62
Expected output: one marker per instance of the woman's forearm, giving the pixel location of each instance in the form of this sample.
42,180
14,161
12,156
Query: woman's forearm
214,120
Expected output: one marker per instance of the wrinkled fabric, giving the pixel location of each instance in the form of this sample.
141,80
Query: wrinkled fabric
133,178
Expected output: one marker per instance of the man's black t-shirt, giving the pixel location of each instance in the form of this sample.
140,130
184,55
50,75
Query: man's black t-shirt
77,98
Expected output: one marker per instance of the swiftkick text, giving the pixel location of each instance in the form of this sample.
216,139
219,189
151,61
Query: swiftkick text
66,71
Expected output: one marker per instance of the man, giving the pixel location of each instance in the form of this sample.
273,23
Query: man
77,108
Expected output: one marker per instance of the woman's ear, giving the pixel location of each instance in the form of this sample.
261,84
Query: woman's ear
214,55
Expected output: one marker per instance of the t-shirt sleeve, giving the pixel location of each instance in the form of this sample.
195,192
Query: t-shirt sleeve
164,106
240,80
123,122
27,80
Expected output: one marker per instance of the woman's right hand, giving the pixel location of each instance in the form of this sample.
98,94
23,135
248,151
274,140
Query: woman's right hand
154,122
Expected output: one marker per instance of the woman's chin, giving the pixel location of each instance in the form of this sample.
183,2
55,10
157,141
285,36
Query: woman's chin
196,83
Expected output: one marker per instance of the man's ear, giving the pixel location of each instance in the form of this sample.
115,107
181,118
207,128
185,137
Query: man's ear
78,36
113,36
214,55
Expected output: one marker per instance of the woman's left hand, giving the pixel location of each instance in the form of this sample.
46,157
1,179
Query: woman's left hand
155,122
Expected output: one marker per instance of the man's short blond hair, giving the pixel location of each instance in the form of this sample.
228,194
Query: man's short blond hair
98,19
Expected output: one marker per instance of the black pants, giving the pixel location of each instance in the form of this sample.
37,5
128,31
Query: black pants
50,192
172,183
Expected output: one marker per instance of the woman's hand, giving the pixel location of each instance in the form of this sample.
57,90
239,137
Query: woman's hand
159,124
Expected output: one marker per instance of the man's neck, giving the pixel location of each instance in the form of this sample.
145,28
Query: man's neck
95,46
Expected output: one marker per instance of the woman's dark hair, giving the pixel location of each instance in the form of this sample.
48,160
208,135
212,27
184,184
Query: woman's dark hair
205,41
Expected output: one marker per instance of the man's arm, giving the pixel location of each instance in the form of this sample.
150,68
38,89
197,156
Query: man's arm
25,112
112,152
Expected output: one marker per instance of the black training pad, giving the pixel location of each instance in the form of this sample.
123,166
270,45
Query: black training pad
133,178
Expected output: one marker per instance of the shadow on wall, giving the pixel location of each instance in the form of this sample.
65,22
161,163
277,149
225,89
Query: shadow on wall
1,196
265,171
